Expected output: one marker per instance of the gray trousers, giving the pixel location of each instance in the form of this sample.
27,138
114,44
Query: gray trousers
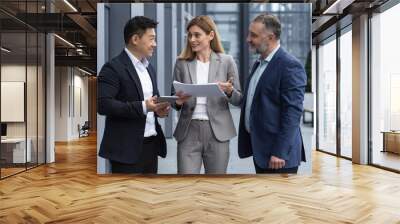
201,146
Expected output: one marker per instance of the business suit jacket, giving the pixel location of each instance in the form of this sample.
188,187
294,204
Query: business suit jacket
222,67
119,98
275,113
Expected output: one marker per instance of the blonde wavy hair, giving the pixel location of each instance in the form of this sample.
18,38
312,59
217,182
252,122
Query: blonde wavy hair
207,25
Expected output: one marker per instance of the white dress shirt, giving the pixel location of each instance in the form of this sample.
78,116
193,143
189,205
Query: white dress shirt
200,111
147,87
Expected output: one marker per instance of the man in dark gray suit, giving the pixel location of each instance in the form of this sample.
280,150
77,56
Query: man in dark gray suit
127,90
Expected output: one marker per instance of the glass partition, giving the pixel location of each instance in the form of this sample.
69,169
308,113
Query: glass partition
14,152
327,96
22,88
346,94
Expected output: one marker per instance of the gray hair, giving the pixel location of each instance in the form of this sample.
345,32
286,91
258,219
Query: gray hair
271,23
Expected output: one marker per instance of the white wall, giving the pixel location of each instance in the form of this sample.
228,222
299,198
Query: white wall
33,126
80,100
17,73
14,73
71,93
61,103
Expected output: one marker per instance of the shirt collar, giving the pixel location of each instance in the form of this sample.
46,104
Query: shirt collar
136,61
269,57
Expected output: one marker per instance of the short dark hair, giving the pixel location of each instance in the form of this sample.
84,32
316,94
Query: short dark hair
137,25
270,22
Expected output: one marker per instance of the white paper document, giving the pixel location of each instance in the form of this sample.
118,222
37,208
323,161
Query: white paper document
199,90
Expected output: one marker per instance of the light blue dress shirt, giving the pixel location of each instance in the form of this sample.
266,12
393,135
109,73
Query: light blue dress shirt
253,85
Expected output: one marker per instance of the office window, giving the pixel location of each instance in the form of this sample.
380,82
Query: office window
226,17
385,89
296,25
222,7
346,94
327,96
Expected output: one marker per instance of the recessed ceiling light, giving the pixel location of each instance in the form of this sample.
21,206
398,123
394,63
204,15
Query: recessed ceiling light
84,71
64,40
338,6
70,5
5,50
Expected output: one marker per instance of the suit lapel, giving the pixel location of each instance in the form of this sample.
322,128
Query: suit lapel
192,70
255,65
153,75
269,70
214,65
132,72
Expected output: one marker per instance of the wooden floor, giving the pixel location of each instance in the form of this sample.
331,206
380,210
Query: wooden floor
5,172
70,191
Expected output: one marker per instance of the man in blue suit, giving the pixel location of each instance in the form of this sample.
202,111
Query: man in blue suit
272,103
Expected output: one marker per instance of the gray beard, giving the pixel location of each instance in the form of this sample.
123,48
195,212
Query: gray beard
262,48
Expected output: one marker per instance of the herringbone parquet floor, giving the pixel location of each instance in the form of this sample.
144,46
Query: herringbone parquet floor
70,191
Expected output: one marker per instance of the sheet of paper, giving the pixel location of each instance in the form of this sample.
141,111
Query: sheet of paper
199,90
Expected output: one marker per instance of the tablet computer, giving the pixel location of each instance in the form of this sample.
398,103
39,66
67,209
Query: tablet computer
169,99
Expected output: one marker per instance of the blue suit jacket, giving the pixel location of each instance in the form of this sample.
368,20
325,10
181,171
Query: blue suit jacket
275,113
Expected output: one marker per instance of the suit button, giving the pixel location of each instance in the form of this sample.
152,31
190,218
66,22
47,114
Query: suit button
192,109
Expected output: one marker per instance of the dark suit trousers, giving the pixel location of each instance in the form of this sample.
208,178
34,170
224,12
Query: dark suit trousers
147,162
260,170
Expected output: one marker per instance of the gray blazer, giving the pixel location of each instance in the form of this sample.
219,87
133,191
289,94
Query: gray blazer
222,67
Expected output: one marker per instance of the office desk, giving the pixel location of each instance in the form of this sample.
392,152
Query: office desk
13,150
391,141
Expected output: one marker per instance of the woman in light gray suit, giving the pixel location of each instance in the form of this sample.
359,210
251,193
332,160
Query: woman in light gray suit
205,124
